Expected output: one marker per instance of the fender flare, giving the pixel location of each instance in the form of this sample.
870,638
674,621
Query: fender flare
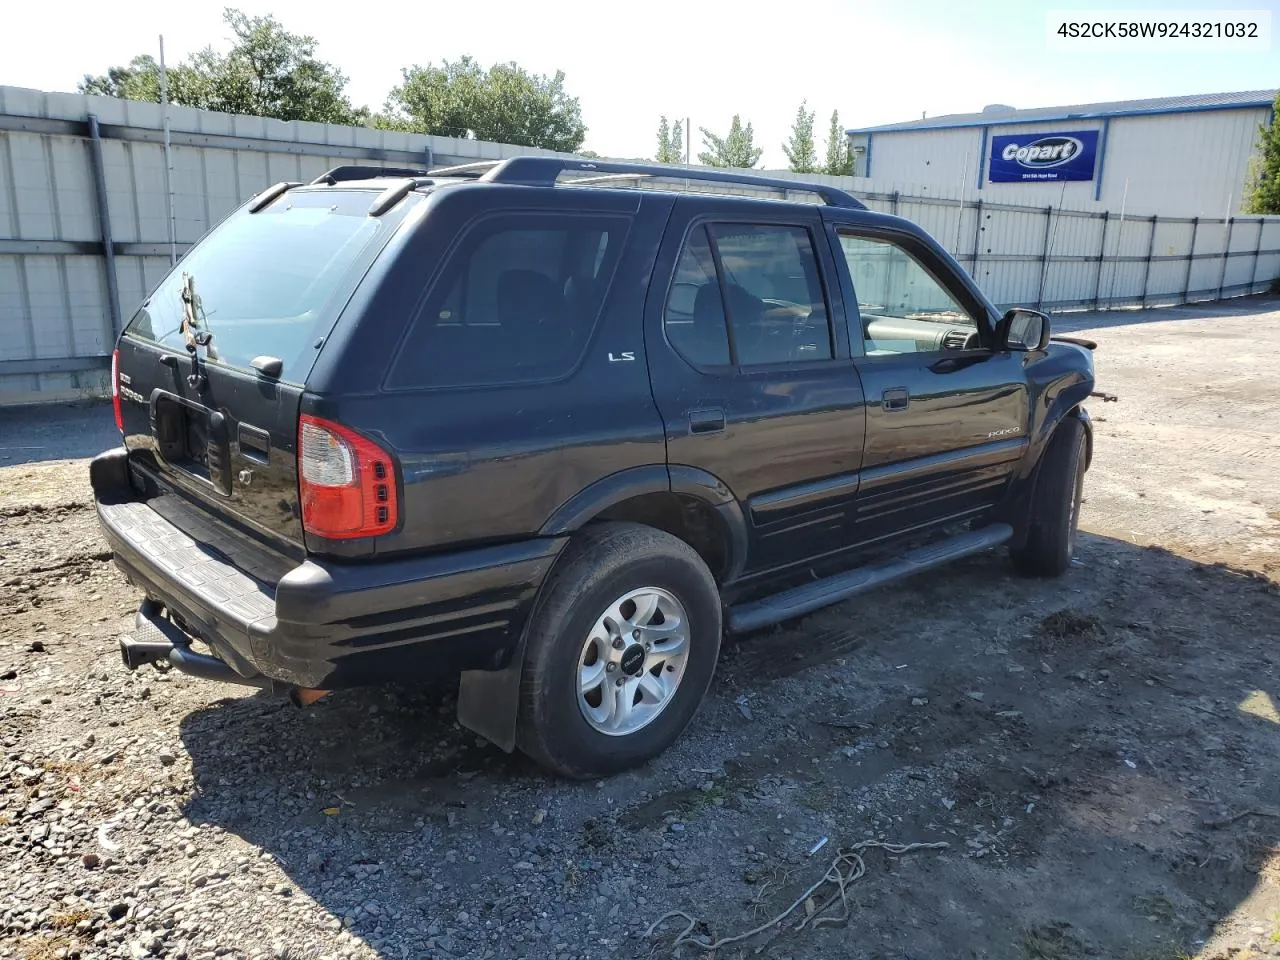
489,700
1067,402
604,493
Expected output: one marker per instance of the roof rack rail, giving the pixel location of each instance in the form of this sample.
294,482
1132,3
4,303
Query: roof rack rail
471,170
361,171
391,196
264,198
544,171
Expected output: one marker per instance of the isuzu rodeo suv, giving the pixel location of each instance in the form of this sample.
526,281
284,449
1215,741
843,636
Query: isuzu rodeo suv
554,426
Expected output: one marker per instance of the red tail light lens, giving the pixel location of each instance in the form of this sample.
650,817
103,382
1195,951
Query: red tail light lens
115,389
346,482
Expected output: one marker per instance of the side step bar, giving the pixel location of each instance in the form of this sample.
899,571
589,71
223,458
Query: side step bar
809,597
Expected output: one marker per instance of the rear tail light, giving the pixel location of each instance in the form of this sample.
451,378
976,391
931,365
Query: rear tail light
346,482
115,389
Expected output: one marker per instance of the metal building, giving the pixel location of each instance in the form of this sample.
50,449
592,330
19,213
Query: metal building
1177,156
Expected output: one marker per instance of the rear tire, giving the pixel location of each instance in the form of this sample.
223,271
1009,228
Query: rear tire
607,683
1054,516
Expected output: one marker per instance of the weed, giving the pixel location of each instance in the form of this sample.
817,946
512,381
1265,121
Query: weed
64,921
1051,941
1065,626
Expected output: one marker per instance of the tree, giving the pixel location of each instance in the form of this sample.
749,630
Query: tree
1262,192
505,103
268,72
737,149
839,151
140,80
665,153
670,142
801,153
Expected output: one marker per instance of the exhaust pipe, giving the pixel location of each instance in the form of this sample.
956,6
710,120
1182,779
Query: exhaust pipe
304,697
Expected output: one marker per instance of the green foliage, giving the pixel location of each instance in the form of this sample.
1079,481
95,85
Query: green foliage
839,152
737,149
505,103
801,153
670,142
268,72
1262,192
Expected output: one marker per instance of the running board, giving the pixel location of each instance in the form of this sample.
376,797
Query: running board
798,601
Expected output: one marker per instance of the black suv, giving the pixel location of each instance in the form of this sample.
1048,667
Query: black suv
556,425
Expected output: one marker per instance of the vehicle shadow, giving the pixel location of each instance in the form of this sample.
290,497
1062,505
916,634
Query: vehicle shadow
1099,751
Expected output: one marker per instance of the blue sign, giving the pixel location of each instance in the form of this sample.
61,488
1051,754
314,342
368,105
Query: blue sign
1030,157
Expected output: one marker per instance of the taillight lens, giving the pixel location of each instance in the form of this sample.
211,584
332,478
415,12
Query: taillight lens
115,389
346,482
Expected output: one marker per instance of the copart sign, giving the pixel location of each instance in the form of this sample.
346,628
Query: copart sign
1036,155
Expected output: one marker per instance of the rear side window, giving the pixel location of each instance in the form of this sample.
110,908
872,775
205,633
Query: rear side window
774,296
516,301
748,295
269,283
694,320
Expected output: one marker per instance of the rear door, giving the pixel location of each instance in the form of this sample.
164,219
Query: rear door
947,412
200,420
751,374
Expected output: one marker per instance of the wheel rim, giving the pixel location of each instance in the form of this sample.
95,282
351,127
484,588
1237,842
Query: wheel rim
633,661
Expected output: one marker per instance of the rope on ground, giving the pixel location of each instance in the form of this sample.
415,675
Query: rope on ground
1215,824
845,869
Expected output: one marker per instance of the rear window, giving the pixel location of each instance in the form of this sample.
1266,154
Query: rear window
516,301
270,283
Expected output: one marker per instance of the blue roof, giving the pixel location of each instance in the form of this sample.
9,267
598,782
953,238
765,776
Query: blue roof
1002,114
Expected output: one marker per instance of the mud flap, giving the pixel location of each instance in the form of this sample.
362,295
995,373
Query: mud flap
489,701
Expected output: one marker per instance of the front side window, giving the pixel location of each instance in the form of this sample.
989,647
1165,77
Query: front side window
749,295
516,302
903,307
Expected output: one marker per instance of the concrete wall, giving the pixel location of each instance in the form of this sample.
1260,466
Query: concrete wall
56,319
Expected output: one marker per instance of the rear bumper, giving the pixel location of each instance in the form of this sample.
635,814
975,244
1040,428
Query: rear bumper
325,625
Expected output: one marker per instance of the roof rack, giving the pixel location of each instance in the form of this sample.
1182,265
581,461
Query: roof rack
359,171
471,171
544,171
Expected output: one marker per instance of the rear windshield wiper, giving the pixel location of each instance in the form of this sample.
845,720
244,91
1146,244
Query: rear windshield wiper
195,330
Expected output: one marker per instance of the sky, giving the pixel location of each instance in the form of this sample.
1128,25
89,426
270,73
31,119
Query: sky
876,61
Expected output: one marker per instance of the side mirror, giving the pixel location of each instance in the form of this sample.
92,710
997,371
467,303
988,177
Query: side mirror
1025,329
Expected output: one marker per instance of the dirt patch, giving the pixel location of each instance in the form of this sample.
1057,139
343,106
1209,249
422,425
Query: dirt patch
1069,627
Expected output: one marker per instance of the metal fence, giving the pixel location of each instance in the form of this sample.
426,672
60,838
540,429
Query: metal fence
1062,259
91,215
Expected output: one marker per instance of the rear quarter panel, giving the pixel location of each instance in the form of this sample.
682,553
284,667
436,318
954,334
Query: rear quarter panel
484,464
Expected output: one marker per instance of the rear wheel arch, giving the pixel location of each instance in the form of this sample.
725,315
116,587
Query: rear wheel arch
685,501
695,521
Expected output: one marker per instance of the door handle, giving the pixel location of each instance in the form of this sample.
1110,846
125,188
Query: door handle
709,420
895,398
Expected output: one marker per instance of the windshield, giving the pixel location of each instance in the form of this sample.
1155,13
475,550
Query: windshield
269,283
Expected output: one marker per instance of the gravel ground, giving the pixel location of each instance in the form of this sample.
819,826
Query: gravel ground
1098,753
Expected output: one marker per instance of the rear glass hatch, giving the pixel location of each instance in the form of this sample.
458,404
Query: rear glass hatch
213,365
